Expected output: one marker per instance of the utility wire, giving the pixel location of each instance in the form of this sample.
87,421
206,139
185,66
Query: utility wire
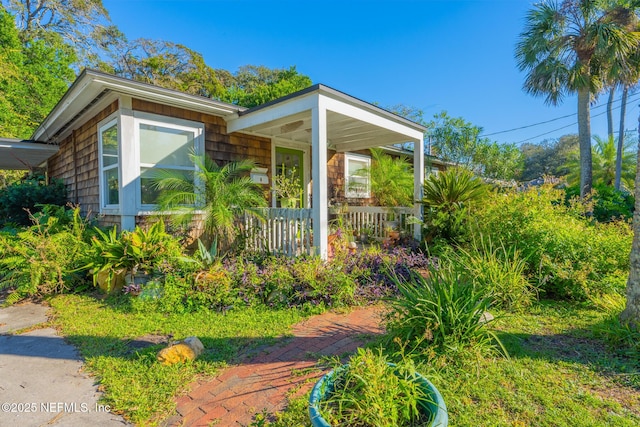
569,125
553,120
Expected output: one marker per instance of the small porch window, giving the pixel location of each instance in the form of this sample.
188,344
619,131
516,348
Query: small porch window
357,179
109,163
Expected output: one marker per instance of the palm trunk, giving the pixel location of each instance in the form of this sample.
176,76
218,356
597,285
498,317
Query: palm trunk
623,110
584,137
612,92
631,313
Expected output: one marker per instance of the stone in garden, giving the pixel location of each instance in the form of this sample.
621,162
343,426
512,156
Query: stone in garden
188,349
486,317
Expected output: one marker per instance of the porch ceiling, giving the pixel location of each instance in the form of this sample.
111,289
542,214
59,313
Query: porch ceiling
351,124
17,154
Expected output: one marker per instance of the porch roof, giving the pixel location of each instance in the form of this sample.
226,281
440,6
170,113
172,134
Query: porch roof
18,154
352,124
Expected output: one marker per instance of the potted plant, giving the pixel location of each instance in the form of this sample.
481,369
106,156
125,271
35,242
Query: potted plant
370,391
288,188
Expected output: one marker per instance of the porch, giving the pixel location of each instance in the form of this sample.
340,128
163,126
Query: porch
316,122
289,232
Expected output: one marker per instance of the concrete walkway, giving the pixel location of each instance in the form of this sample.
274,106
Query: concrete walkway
41,377
264,381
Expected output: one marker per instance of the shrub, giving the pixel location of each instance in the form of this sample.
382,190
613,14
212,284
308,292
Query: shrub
499,270
28,195
44,259
444,311
568,255
608,203
448,198
370,392
150,251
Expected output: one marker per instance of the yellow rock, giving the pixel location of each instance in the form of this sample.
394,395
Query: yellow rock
188,349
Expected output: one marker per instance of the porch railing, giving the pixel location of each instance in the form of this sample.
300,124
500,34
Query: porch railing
375,220
279,231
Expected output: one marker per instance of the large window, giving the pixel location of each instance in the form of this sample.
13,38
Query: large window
109,163
356,173
165,148
159,146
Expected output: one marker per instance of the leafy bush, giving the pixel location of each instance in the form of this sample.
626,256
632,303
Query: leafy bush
499,270
608,203
444,311
447,198
17,200
145,251
369,392
44,259
568,255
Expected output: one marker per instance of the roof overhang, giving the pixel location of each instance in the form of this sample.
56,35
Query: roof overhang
17,154
352,124
92,85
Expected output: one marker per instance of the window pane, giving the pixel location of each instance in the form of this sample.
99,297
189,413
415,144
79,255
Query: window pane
148,178
110,145
165,146
111,187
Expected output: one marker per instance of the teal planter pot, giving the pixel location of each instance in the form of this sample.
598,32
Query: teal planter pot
433,405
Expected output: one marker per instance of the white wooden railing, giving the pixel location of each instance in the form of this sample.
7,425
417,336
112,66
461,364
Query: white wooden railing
376,219
279,231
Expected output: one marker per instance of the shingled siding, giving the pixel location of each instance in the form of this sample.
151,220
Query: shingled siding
335,179
76,163
219,145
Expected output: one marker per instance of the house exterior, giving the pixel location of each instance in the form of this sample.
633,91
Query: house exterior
108,134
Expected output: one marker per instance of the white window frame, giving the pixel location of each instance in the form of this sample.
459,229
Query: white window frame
103,125
168,122
349,193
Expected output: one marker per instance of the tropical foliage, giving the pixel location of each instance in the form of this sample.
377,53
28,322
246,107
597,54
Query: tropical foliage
217,195
448,198
568,47
391,179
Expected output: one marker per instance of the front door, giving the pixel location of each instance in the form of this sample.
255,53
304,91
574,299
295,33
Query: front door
290,164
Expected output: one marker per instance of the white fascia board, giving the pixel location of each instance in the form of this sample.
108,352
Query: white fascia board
273,112
358,113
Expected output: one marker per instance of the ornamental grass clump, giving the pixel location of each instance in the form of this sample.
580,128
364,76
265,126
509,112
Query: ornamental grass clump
370,392
444,312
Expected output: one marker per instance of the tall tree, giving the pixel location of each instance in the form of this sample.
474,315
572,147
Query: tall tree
34,74
547,158
631,313
454,139
254,85
565,48
158,62
77,22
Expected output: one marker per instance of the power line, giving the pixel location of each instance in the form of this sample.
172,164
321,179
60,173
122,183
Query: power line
569,125
553,120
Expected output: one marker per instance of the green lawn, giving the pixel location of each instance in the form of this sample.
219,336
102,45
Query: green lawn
558,372
134,383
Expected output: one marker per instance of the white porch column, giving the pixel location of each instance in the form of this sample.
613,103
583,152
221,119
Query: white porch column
319,205
418,182
129,168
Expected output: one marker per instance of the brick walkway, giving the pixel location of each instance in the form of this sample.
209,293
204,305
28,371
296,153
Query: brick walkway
265,381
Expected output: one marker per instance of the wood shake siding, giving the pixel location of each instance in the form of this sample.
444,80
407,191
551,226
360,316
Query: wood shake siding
219,145
76,163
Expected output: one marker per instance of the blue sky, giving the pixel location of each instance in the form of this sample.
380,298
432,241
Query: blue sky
453,55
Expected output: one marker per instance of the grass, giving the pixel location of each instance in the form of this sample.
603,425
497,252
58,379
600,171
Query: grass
134,383
558,374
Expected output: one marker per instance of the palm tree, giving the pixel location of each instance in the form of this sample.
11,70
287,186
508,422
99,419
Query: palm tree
631,313
216,195
565,48
391,179
604,162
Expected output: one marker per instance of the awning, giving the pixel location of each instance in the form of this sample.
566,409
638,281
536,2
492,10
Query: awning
18,154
